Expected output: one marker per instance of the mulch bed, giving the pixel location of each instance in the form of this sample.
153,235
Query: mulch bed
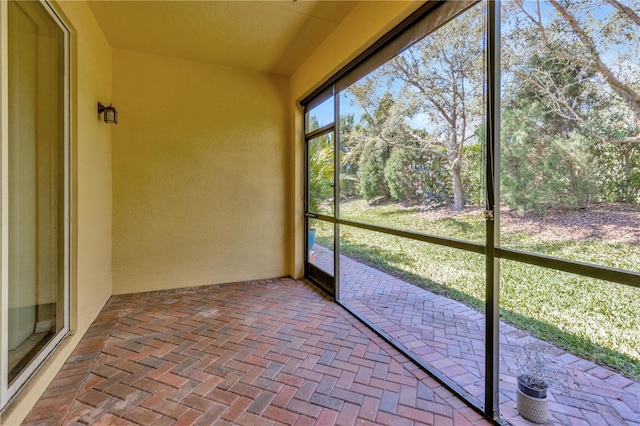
614,222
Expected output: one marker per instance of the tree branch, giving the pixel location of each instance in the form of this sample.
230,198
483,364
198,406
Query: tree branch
618,86
537,21
421,149
404,74
626,10
625,140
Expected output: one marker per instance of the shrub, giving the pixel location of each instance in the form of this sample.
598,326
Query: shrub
372,181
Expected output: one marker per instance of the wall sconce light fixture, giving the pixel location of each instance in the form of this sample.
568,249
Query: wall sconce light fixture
110,113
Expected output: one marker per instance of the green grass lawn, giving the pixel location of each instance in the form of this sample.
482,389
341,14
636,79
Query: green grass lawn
591,318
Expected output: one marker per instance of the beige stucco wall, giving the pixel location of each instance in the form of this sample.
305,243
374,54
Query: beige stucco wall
200,174
367,23
93,164
91,193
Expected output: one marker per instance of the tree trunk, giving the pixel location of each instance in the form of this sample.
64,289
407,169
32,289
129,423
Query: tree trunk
458,191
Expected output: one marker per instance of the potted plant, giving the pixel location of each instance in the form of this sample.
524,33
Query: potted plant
532,399
537,373
533,386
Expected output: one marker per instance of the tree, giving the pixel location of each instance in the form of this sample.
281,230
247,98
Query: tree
607,48
581,96
546,157
438,82
372,181
543,170
412,175
403,175
365,152
349,185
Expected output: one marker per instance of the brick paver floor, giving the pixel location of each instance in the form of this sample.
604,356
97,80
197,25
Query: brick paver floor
258,353
450,336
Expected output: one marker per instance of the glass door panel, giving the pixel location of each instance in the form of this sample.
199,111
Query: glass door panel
321,174
36,185
566,317
320,116
320,253
320,265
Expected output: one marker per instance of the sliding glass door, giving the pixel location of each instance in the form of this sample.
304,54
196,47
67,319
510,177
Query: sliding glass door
35,189
320,145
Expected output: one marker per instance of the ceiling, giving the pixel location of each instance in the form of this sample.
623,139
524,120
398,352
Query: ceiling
266,36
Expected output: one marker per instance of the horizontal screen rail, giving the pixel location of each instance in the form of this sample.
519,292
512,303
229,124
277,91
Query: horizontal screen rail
320,132
322,217
579,268
442,241
563,265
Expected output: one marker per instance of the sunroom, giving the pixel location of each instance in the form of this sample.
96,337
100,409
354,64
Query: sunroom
418,203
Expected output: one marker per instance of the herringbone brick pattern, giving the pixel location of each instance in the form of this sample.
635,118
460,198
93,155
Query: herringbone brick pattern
259,353
450,336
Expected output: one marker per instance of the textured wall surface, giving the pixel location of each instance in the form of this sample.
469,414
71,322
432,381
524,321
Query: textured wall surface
93,179
200,174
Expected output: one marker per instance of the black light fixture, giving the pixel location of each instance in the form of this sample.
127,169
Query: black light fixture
110,113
